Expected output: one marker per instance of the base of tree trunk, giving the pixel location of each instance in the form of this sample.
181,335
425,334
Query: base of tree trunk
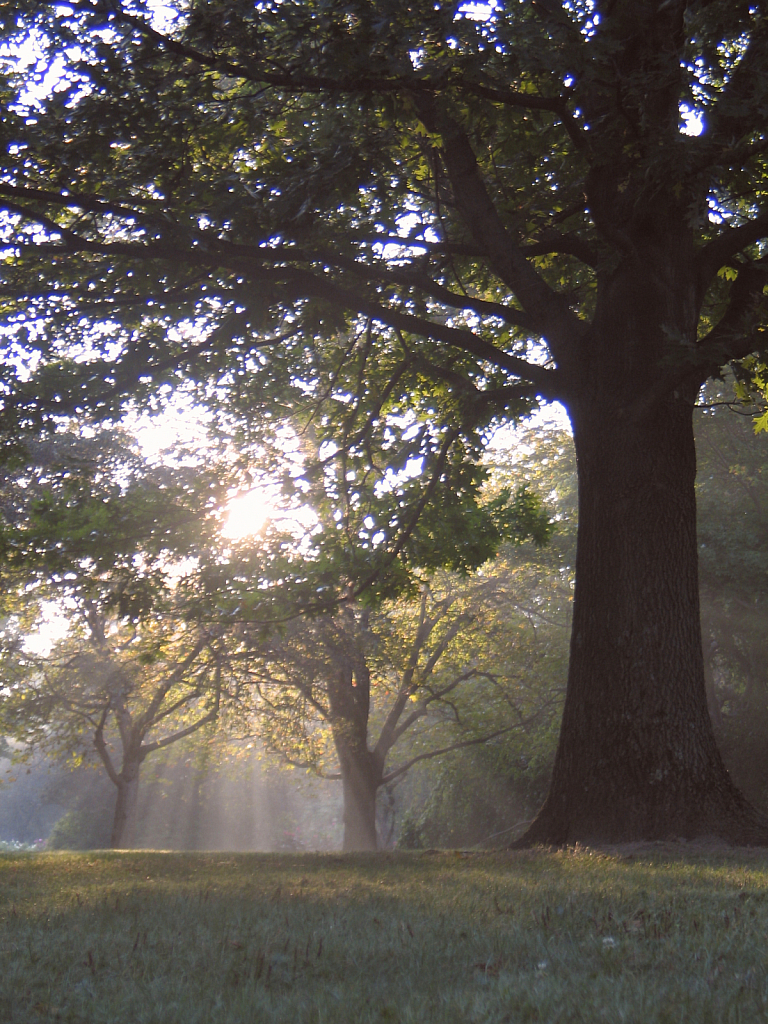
723,814
359,808
124,822
637,758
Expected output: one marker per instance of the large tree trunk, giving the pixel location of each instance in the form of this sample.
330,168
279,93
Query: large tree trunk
637,757
349,691
361,782
124,822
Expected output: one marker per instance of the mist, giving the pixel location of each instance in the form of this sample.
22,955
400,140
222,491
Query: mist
247,805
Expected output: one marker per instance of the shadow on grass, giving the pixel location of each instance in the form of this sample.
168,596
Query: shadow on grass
645,934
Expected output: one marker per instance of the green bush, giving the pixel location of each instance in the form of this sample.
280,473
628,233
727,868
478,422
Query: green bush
476,798
81,830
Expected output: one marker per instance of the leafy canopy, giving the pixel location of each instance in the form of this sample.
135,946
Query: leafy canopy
390,225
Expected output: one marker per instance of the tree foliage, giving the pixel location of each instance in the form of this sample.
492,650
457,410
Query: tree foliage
110,549
731,492
216,194
202,189
487,794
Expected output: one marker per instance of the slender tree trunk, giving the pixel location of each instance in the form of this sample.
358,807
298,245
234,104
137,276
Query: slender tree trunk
637,757
715,714
124,822
193,837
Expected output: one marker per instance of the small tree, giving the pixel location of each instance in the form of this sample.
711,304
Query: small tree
125,690
93,533
342,693
486,793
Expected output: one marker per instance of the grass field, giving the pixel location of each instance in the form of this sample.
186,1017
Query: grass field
657,935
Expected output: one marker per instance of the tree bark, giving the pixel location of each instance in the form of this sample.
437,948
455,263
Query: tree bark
124,821
349,692
637,758
360,784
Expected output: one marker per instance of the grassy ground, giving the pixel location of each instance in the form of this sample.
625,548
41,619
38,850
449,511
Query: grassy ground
656,936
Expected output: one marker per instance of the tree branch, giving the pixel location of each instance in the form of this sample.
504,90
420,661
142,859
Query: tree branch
101,747
430,698
147,748
187,698
403,768
80,201
439,292
545,380
385,741
557,243
548,310
728,244
741,328
738,333
355,84
450,437
145,720
298,283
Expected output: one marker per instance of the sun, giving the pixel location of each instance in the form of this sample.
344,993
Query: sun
247,514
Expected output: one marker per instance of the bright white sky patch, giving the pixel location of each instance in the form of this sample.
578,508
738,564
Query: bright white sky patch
248,514
162,16
693,121
477,11
54,627
180,424
549,417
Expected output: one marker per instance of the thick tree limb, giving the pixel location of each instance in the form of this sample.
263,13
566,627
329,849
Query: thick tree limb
544,379
741,329
548,310
298,283
101,747
298,82
423,283
81,201
382,275
562,244
493,398
728,244
556,105
738,333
